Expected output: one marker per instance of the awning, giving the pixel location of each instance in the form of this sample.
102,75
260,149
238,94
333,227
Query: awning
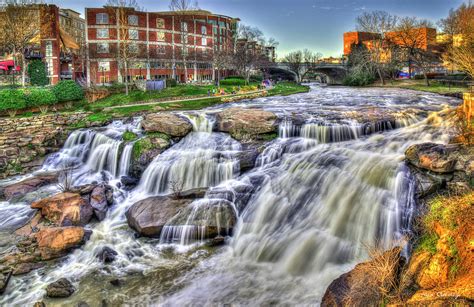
2,67
67,40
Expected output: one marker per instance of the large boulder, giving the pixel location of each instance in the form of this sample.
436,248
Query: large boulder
441,158
149,216
244,123
65,209
60,288
100,201
167,123
20,189
145,150
210,217
362,285
55,242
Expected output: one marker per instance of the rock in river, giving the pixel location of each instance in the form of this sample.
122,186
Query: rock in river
60,288
65,209
20,189
167,123
55,242
148,216
242,123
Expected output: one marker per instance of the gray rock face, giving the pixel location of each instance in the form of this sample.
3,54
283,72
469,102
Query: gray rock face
60,288
145,150
167,123
217,216
99,201
149,216
246,123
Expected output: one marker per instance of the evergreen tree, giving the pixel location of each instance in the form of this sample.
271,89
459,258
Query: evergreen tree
37,73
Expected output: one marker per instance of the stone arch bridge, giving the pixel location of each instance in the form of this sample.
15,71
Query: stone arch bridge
327,72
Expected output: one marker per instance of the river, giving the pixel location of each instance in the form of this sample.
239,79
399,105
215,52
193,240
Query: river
332,182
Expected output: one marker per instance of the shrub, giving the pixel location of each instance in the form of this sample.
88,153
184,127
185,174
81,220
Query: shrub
41,98
68,91
235,77
171,82
233,81
256,78
37,73
12,100
358,79
129,136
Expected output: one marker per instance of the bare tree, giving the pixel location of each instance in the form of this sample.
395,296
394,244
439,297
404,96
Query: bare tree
295,61
20,24
65,177
411,37
461,22
379,23
181,9
127,50
176,187
221,60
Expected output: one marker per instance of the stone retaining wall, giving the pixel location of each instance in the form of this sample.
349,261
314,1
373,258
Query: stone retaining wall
24,142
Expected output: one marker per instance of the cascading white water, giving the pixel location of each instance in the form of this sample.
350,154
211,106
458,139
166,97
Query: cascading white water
104,154
305,211
125,159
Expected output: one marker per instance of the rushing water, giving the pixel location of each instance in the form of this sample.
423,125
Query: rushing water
333,181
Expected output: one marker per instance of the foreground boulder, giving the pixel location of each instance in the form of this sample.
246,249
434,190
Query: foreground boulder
100,200
245,124
167,123
65,209
20,189
149,216
210,217
362,285
60,288
55,242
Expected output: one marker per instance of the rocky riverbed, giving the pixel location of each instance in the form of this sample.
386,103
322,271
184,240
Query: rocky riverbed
187,207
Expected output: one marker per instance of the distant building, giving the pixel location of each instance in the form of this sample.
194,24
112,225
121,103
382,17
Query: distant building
53,44
159,42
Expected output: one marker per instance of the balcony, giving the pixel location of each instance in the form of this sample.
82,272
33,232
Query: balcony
65,57
33,54
66,75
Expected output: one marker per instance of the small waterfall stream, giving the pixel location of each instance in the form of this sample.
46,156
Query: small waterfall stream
328,185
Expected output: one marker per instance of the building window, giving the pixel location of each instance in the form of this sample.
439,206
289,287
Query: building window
203,30
204,40
49,49
132,34
49,67
160,23
161,49
133,20
160,36
102,18
133,48
184,26
104,66
102,33
102,48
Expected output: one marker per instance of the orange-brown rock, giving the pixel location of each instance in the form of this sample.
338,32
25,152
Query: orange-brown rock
57,241
65,209
242,123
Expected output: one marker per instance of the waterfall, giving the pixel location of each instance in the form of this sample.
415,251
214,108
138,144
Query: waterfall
201,122
104,154
125,159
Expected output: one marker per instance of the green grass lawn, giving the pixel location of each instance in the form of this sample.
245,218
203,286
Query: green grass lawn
419,85
288,88
180,91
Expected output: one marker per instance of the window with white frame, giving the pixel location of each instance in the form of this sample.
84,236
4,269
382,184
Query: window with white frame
49,49
161,50
132,34
184,26
203,30
102,48
204,40
104,66
160,23
133,48
160,36
102,18
102,33
133,20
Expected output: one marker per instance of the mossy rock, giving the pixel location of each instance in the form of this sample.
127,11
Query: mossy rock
146,149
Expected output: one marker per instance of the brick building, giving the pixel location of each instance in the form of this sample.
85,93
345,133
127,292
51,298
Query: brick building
165,44
52,44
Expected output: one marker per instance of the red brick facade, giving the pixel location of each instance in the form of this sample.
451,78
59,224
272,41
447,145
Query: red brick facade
157,39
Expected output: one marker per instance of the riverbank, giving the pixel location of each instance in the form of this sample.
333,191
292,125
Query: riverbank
420,85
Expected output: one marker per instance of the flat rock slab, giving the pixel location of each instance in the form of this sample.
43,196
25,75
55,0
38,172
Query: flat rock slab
167,123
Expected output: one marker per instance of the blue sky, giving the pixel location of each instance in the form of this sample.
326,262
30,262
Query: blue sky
298,24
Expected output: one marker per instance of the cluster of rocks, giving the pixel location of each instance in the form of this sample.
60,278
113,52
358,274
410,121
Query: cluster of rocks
25,141
57,228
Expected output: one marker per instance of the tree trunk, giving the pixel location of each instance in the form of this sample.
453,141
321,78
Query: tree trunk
126,78
382,80
218,78
427,81
23,70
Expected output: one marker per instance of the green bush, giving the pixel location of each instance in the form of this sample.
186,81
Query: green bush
233,81
68,91
358,79
12,100
256,78
235,77
171,83
41,97
37,73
